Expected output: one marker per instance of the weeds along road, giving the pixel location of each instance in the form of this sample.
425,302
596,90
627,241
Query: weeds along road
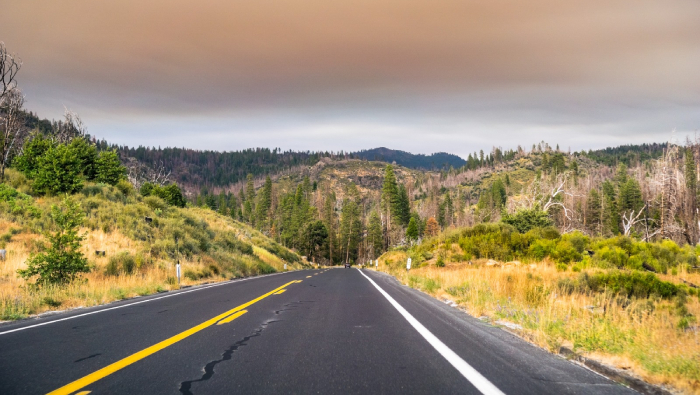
335,331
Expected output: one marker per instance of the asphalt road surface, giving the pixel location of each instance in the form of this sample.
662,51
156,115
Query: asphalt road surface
335,331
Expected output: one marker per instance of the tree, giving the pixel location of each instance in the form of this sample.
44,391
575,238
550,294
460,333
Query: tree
58,171
34,148
63,262
87,156
249,196
611,214
412,231
9,67
431,227
12,127
317,235
593,212
390,198
262,209
108,168
171,194
375,238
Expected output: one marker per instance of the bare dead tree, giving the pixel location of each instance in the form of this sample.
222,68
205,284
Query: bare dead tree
9,67
12,128
71,127
139,174
629,219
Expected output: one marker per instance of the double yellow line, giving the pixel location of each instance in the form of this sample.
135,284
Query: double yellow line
107,370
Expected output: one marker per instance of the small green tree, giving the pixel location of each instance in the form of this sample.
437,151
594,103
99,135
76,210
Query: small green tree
58,171
412,230
108,168
63,262
34,148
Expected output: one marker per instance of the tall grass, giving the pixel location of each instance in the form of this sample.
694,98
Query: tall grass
646,335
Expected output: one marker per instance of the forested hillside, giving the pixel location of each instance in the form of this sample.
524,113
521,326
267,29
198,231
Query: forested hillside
436,161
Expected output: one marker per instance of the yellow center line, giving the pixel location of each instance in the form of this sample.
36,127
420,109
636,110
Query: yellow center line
233,316
308,276
280,292
109,369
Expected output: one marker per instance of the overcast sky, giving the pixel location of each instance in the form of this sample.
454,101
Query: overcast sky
421,76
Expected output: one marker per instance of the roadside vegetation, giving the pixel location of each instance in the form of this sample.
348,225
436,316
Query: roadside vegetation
115,252
628,303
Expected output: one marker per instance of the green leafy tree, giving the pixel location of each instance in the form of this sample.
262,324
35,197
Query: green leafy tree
171,194
63,262
34,148
58,171
87,155
108,168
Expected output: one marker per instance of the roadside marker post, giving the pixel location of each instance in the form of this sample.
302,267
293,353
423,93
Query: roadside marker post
408,265
285,266
377,264
177,269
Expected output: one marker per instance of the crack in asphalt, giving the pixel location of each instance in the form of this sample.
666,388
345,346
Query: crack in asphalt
88,357
186,386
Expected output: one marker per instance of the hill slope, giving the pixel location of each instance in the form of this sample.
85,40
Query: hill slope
436,161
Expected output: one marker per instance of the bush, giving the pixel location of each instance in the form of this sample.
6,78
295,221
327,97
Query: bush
632,284
155,203
527,219
170,194
123,262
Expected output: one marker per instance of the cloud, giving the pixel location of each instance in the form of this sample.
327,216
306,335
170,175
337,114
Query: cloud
254,72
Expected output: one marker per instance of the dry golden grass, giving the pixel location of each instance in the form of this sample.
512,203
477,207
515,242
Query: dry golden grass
96,287
640,337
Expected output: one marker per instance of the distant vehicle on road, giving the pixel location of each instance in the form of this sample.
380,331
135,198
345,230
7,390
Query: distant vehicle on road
347,265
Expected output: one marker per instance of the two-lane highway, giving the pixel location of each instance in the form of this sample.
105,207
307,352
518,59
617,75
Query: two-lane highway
319,331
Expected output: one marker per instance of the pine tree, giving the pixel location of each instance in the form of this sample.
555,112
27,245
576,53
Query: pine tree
611,213
389,197
249,198
374,235
412,231
403,206
262,209
593,211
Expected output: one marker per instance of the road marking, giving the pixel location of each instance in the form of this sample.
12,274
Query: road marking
139,302
480,382
280,292
83,392
308,276
107,370
232,317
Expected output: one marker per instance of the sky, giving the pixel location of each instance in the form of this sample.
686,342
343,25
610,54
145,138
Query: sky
421,76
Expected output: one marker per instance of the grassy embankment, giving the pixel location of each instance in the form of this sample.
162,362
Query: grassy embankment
604,306
139,256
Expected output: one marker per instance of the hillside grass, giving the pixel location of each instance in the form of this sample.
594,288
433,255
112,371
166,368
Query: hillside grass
139,257
641,322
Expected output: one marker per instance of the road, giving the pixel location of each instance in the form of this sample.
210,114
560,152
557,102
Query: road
332,331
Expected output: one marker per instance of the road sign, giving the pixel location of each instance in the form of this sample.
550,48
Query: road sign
408,264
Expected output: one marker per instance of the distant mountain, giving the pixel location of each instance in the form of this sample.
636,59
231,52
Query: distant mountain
436,161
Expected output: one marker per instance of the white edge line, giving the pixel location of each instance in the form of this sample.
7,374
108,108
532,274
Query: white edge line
139,302
480,382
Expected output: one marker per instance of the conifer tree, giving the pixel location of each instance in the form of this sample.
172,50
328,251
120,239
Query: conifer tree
262,209
431,227
412,231
389,197
374,235
611,214
593,211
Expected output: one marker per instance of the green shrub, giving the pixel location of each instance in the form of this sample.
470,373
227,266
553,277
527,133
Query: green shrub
527,219
629,284
440,261
155,203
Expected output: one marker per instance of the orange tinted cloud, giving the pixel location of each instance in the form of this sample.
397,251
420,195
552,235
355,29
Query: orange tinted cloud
193,57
